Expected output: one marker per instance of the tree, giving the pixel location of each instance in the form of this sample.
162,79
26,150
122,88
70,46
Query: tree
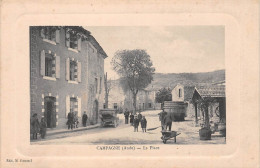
164,94
135,69
203,104
108,87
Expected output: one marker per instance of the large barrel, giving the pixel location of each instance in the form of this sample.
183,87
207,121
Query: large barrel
177,109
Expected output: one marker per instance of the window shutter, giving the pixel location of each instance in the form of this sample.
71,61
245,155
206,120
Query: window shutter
76,72
43,63
42,33
79,71
67,69
67,105
79,107
57,36
67,39
57,60
53,67
79,44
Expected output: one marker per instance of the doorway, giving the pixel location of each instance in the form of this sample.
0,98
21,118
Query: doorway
50,111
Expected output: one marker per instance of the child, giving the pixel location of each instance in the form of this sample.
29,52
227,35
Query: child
43,126
136,124
143,124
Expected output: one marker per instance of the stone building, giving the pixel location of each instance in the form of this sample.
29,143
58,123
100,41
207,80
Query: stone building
116,96
145,100
66,73
183,93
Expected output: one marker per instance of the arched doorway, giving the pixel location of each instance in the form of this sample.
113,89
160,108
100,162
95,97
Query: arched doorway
95,111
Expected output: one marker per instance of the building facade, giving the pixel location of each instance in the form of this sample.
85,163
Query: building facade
66,74
145,100
183,93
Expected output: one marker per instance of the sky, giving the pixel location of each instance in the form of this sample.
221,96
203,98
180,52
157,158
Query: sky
173,49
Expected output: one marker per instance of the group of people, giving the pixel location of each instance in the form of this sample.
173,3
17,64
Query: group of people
73,120
166,120
37,127
135,120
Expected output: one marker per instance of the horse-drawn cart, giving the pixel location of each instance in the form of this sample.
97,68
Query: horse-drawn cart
109,117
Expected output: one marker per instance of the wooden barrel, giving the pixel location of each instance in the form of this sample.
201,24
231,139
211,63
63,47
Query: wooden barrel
177,109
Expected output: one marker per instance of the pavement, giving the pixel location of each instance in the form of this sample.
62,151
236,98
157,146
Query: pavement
61,131
124,134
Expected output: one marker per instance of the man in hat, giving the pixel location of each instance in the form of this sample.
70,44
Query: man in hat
136,124
84,119
70,120
126,113
161,118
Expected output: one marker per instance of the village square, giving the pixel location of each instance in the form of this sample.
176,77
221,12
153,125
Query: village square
88,87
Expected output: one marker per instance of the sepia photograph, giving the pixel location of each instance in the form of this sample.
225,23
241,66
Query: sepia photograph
144,84
127,85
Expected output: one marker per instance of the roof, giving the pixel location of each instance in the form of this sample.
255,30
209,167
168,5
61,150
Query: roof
211,91
97,46
88,35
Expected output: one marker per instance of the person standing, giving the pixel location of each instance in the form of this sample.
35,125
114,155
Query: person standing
126,113
34,126
143,124
70,120
131,118
76,120
136,124
43,125
84,119
139,116
168,121
161,118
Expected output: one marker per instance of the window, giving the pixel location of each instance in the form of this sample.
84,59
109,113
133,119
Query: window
73,40
73,70
180,93
50,34
96,84
104,105
150,105
115,105
50,65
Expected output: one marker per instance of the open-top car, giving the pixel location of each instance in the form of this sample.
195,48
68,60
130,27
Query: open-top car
109,117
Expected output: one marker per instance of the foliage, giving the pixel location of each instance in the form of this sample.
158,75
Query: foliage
164,94
203,104
135,69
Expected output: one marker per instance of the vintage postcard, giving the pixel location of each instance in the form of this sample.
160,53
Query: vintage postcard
163,84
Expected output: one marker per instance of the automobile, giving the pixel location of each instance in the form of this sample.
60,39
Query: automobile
109,117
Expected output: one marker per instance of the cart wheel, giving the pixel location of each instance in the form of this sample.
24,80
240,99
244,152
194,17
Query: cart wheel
164,139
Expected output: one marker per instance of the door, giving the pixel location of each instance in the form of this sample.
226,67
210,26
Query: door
50,111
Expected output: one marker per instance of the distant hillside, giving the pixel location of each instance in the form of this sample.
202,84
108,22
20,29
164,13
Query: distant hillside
172,79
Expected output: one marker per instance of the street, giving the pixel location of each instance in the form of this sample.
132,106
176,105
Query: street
124,134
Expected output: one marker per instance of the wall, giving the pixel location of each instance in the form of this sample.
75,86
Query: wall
175,93
61,88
